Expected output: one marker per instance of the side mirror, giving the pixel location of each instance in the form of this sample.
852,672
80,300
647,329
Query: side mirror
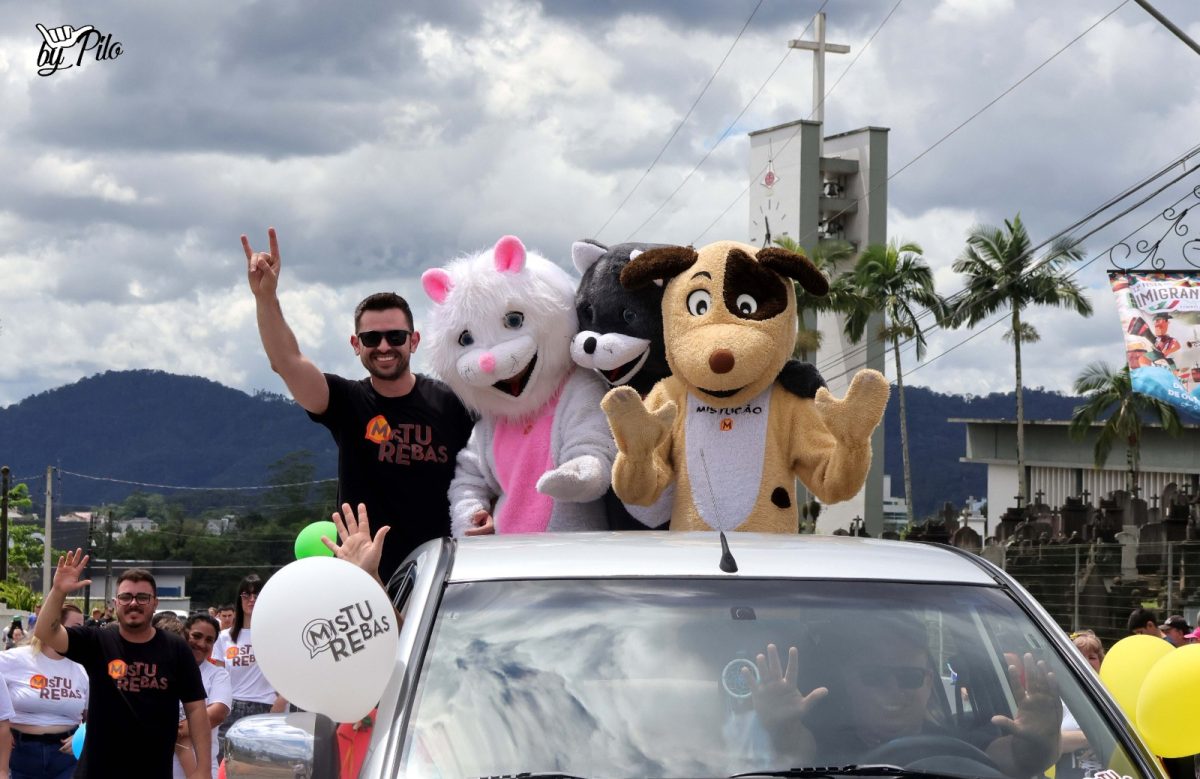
301,744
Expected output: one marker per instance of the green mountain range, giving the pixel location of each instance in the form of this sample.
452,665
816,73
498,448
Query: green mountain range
121,431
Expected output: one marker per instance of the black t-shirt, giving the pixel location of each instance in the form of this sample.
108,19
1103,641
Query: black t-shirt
397,456
133,703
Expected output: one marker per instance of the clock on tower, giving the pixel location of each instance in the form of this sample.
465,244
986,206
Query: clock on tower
769,214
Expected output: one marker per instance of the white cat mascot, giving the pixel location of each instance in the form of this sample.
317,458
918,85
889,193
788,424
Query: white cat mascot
540,457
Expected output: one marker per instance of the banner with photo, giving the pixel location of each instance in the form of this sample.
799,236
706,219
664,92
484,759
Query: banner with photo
1160,316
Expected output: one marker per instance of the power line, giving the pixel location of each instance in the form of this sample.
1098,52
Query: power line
1033,267
199,489
1129,191
1074,272
937,143
682,121
724,135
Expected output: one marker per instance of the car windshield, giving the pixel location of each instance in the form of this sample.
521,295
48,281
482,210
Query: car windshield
661,678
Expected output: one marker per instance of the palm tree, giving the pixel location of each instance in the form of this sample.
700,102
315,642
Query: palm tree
1003,273
895,279
826,257
1105,390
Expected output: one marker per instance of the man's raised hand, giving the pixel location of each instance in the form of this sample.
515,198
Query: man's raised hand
262,268
70,568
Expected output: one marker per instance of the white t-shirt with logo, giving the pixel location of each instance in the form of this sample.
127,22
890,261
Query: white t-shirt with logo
44,691
216,690
247,678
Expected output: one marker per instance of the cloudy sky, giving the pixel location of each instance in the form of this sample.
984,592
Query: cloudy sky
384,138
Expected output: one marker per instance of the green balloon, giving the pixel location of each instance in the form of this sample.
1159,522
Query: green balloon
308,543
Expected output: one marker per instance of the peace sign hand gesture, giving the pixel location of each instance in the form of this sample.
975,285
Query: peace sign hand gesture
262,268
70,568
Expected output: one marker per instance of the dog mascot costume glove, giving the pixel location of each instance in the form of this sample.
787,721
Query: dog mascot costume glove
721,428
540,457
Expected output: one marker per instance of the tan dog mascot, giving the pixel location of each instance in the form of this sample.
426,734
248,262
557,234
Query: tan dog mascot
729,322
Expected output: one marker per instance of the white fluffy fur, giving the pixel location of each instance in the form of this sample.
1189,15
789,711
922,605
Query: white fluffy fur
480,297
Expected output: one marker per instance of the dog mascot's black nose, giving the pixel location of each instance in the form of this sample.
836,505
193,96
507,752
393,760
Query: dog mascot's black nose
589,345
721,361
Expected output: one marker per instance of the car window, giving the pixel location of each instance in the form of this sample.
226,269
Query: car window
661,678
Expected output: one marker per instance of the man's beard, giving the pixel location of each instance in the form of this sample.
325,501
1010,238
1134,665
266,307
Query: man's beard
397,369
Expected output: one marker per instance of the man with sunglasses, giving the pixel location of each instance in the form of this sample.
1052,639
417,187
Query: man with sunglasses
398,433
137,678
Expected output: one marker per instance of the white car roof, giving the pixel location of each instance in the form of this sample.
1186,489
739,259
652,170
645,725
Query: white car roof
668,554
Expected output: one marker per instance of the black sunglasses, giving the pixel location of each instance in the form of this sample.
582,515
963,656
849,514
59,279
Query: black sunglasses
905,677
372,338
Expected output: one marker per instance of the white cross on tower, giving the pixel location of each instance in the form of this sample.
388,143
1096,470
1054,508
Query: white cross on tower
819,47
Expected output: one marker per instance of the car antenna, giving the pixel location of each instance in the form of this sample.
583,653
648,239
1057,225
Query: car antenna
728,564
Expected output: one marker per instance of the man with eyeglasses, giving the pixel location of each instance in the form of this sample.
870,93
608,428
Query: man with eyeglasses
398,432
138,677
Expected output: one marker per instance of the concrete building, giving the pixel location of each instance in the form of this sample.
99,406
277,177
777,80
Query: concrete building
135,525
1059,467
815,189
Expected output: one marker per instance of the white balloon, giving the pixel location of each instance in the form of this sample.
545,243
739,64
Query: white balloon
326,637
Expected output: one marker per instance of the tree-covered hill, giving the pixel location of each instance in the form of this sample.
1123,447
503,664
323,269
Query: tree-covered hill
155,428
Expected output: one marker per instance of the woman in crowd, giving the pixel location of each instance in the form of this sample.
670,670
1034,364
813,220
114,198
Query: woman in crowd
200,632
252,693
49,696
1090,647
14,635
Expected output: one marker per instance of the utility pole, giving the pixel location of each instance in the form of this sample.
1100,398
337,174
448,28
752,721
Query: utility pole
108,565
87,592
1165,22
46,546
5,486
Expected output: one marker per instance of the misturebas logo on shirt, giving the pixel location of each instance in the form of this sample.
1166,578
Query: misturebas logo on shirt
240,656
405,443
137,676
54,688
346,633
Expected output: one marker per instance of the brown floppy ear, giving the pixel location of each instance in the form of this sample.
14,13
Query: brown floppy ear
794,266
664,263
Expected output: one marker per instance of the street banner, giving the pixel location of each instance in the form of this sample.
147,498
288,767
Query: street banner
1160,316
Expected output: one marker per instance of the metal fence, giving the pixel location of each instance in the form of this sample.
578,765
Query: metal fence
1096,586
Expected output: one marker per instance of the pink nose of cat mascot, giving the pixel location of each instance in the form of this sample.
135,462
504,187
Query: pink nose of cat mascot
540,457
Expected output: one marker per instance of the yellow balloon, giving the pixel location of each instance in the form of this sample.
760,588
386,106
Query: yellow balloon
1125,667
1165,718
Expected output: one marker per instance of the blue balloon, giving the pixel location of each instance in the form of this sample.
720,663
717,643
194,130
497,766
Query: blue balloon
77,740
